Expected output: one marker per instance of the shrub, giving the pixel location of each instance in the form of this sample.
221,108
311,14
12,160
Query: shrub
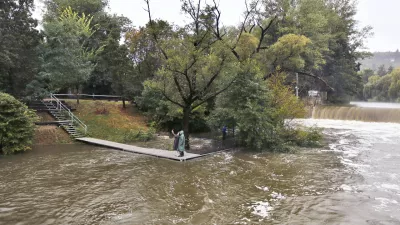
16,125
303,137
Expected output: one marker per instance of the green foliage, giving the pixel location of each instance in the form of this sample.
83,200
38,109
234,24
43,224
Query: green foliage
113,70
16,125
19,61
383,88
107,76
366,74
66,62
382,71
54,8
257,109
304,137
143,50
333,50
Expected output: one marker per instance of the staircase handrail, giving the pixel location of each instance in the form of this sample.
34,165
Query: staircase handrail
61,106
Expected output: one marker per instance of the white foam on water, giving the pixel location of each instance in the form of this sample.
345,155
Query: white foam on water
277,196
227,157
384,204
391,186
346,187
261,208
262,188
354,137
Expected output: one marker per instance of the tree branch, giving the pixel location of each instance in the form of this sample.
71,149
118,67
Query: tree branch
179,89
262,35
248,13
151,23
215,94
316,77
169,99
215,75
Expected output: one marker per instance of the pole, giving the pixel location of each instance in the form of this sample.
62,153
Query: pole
297,85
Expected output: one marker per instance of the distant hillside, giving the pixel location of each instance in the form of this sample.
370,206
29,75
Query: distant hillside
379,58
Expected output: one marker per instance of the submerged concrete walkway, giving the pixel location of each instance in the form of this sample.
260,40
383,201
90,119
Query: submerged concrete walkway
173,155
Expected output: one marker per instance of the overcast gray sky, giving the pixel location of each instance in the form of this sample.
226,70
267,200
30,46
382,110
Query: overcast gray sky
382,15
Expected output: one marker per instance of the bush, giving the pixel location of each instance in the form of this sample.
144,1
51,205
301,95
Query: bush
16,125
304,137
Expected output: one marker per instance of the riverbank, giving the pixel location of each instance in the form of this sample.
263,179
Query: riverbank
108,120
51,135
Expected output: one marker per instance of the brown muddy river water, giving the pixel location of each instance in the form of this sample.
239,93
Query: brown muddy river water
356,180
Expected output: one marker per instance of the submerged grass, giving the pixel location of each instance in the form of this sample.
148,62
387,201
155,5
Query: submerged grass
110,121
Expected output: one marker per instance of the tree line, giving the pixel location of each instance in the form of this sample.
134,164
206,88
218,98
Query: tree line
378,59
202,74
381,85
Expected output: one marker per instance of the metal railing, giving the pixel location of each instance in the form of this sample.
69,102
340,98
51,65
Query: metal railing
92,96
61,107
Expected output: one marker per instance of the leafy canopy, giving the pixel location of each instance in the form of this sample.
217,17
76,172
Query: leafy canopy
66,61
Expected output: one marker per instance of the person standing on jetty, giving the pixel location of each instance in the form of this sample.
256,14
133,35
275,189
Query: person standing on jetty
176,140
179,142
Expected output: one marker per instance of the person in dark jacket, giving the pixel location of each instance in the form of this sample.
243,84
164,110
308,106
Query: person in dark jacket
224,130
176,140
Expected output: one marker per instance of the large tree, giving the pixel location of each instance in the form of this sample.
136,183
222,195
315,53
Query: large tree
143,50
108,33
66,61
196,65
18,46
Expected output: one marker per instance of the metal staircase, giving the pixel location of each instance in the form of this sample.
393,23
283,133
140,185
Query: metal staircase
65,118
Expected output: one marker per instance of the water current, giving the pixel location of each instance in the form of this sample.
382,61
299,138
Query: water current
353,180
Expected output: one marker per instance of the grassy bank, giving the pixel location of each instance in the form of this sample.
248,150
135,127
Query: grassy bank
50,135
108,120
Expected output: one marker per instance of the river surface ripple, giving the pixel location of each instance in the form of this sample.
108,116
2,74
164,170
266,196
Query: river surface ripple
355,180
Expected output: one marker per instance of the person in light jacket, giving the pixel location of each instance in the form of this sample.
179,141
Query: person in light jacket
181,143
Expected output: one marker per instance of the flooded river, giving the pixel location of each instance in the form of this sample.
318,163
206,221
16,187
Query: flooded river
355,180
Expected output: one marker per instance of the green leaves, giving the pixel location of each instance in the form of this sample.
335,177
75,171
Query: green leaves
383,88
66,61
16,125
19,40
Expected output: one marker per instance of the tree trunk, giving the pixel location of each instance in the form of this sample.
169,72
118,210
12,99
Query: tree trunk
186,117
77,95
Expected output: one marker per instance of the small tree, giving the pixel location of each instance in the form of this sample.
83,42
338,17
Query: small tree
382,70
16,125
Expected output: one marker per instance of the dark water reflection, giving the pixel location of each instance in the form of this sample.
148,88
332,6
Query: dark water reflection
80,184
